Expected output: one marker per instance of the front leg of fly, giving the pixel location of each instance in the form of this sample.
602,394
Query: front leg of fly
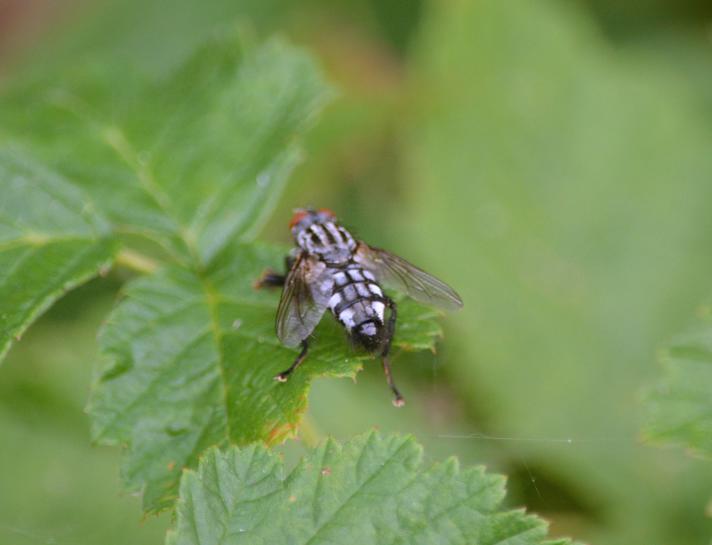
272,279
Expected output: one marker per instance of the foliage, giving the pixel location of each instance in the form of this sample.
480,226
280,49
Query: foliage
58,487
191,166
188,162
371,490
580,243
553,169
193,358
680,406
51,239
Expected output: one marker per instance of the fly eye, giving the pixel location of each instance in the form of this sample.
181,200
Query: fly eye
326,213
298,216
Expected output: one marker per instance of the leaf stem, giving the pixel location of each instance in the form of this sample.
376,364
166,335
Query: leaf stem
136,262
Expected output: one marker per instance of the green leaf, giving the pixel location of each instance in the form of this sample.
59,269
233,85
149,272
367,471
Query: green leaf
193,360
190,161
680,407
371,490
51,240
193,162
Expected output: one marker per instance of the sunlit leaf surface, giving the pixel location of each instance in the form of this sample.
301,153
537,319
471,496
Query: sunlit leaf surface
51,240
189,161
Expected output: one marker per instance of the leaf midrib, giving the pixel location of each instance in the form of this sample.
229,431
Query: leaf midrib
212,298
360,488
115,139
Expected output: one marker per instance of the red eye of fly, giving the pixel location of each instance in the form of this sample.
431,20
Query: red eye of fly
327,212
298,216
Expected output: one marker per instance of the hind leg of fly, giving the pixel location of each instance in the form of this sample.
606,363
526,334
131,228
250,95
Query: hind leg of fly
284,375
398,400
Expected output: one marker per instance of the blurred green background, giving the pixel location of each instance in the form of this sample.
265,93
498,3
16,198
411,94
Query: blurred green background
551,160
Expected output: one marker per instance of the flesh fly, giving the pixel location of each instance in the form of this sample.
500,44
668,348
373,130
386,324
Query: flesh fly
330,269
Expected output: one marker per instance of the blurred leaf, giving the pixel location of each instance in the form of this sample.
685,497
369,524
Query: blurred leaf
565,189
370,490
190,161
51,240
57,488
193,361
680,407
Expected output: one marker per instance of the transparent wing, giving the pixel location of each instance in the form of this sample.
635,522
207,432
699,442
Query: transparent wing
305,297
396,272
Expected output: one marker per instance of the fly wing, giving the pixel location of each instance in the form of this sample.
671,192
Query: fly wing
305,297
398,273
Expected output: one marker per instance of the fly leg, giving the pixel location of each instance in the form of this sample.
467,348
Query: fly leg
272,279
398,400
284,375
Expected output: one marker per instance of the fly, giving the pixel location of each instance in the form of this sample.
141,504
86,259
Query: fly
330,269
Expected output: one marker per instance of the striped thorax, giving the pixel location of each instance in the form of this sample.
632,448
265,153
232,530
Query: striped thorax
326,239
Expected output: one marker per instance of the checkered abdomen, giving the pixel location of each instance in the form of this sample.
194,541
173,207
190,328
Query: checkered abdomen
357,301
